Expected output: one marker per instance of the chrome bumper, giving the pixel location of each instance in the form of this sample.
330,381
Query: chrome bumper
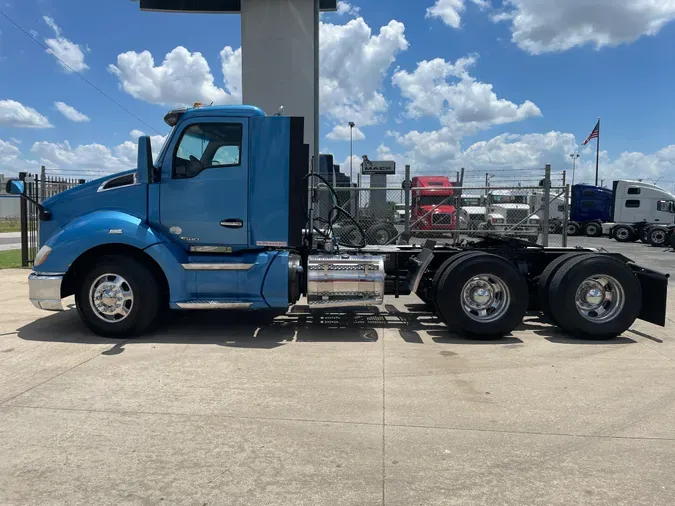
44,291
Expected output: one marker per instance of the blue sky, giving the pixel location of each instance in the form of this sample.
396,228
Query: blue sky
552,70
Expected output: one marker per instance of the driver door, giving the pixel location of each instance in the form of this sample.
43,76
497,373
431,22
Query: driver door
204,188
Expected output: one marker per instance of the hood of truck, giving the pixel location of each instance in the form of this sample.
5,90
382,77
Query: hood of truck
93,196
471,210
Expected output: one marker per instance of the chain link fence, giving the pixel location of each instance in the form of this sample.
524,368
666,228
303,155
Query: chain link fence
446,212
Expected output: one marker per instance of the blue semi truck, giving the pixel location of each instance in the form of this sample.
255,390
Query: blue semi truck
224,219
591,206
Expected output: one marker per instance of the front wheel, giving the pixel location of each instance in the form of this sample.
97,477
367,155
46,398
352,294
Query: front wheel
118,297
381,234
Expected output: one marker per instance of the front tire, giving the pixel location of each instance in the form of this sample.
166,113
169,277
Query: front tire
118,297
482,296
381,234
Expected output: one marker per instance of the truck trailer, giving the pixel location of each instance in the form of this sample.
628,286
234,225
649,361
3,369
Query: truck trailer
223,219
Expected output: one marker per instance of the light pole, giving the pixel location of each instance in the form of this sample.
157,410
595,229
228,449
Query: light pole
574,157
351,146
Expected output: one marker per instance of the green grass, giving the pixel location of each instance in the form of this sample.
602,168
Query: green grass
10,259
10,226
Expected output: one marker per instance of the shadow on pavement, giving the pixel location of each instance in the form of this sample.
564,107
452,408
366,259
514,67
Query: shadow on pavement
267,331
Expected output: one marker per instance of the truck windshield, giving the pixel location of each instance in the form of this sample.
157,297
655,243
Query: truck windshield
435,200
475,202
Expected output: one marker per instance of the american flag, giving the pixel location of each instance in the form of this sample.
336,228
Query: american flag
594,134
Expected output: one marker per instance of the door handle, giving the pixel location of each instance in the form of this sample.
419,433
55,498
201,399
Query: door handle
232,223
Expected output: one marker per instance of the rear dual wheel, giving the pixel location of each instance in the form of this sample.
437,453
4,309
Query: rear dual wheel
590,296
658,236
480,295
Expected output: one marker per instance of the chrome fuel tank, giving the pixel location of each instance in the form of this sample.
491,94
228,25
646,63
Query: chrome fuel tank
344,280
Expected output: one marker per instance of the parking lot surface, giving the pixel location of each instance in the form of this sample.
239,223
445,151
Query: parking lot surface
380,405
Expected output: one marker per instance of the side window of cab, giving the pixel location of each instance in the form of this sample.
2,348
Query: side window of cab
209,146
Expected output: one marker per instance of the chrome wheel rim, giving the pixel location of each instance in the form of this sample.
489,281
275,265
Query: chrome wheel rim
485,298
111,298
592,229
600,298
622,233
658,237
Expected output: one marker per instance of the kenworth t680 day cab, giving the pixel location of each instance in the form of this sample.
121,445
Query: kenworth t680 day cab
221,220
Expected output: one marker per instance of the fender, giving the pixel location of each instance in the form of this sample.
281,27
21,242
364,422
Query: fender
96,229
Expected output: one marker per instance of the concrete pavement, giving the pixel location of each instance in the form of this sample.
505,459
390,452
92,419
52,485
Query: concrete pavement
378,406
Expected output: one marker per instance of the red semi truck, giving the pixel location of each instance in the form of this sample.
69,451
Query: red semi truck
432,209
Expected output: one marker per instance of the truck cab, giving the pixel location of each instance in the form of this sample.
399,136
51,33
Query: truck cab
637,206
433,208
509,213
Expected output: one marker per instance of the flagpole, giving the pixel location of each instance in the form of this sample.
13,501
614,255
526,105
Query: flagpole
597,156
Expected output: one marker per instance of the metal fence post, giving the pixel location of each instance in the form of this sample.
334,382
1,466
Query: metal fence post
458,205
43,183
24,224
407,185
566,214
547,204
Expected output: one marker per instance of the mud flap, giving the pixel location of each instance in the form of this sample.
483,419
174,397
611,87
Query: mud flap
418,264
654,294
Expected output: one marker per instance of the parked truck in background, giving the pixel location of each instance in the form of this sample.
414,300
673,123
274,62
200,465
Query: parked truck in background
509,213
589,207
641,211
432,206
221,221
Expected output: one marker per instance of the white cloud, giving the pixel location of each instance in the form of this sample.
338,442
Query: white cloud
447,90
88,161
11,162
353,64
449,11
463,106
70,54
182,78
530,151
15,114
71,113
135,134
542,26
347,8
342,133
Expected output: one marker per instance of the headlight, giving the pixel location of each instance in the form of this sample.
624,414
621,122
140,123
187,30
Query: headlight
497,220
534,220
42,255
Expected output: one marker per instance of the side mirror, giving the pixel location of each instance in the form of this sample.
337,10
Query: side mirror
15,187
145,166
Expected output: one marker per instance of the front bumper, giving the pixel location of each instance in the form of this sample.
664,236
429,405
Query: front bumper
44,291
